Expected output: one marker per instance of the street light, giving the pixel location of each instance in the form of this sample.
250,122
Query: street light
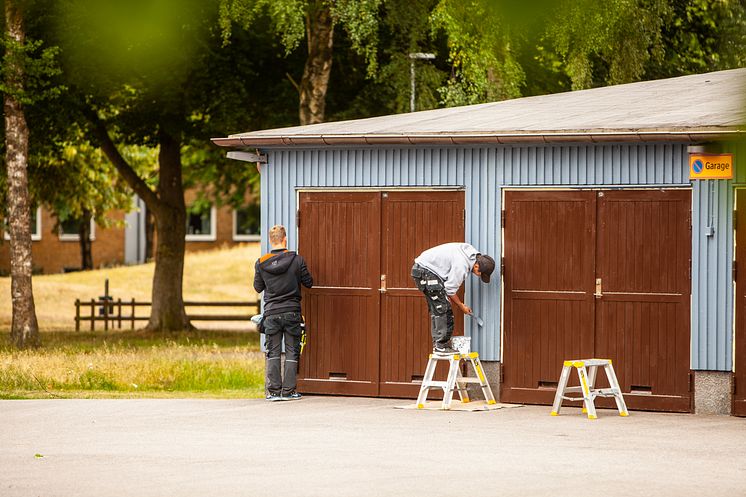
413,57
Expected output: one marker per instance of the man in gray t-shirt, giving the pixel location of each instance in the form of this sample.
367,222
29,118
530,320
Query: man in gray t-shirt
438,273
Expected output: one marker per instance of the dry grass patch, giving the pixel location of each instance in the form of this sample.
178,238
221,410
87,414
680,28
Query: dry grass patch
222,364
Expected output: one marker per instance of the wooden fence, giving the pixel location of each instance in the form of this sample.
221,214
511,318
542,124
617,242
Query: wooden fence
115,312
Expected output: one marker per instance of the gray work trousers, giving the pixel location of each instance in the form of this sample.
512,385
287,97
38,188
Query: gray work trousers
438,303
277,327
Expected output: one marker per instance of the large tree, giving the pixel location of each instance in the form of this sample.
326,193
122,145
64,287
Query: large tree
313,21
155,74
17,60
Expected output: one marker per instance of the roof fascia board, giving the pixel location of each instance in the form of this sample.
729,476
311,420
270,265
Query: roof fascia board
465,139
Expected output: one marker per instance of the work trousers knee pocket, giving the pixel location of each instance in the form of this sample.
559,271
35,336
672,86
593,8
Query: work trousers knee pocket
439,327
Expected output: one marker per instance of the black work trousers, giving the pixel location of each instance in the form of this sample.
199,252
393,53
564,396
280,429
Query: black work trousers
277,327
438,304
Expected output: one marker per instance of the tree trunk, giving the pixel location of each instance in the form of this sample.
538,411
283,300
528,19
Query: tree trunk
84,232
167,313
24,331
168,209
149,234
315,81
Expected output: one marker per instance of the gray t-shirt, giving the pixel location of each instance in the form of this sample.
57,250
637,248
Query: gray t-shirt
451,261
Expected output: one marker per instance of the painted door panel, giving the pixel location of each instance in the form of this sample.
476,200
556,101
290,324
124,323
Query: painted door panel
411,223
340,239
363,340
598,274
739,376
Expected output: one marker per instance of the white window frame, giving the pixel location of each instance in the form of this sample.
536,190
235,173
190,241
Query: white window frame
34,237
70,237
242,238
206,237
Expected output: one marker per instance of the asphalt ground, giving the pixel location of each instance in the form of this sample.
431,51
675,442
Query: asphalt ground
334,446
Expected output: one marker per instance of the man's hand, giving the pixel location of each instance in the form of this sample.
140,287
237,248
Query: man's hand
464,308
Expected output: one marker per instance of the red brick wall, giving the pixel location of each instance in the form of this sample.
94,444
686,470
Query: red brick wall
51,255
224,229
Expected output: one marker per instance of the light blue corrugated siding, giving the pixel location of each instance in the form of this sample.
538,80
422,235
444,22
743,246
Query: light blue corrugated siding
484,172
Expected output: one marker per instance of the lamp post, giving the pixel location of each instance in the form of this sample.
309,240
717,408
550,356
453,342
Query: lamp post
412,58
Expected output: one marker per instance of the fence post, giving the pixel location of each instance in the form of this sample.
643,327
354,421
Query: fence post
133,314
106,312
77,314
93,314
119,313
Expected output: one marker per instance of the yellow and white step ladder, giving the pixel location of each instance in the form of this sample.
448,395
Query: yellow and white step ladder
454,381
587,369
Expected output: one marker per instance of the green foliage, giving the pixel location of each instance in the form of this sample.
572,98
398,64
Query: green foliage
481,50
39,66
701,36
289,19
228,182
74,177
615,38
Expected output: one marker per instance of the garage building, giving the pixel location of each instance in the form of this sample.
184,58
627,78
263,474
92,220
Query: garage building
606,247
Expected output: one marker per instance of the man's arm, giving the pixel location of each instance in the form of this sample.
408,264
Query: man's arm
464,308
305,275
259,285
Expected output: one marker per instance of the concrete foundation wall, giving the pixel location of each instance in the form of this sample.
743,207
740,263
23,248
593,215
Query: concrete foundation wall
492,372
712,392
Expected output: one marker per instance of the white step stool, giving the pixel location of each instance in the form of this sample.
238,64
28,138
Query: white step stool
454,381
587,381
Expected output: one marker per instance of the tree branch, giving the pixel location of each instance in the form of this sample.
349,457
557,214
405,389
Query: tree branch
293,82
122,166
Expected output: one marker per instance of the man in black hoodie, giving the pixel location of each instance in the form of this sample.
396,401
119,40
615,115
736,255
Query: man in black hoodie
279,274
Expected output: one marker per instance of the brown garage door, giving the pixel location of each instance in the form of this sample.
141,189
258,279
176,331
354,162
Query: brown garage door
598,274
739,396
368,327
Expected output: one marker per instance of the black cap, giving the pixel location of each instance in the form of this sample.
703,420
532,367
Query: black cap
486,266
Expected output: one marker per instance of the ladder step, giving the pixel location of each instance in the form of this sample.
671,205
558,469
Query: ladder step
437,384
468,380
607,392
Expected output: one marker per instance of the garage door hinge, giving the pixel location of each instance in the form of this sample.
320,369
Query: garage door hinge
735,270
502,265
735,219
297,218
502,219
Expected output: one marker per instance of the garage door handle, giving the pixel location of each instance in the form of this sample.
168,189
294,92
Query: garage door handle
598,293
383,284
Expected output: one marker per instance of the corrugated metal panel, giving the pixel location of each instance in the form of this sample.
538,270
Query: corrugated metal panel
483,172
712,283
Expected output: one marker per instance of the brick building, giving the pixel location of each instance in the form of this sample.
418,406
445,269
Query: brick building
58,250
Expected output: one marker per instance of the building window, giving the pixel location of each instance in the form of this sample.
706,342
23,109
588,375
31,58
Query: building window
246,223
35,225
69,230
200,224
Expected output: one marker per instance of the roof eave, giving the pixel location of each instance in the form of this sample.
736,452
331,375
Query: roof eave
279,140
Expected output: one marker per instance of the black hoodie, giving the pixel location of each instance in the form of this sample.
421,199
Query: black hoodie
279,275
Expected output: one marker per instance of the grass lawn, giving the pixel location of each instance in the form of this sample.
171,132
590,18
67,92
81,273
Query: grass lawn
135,364
204,363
